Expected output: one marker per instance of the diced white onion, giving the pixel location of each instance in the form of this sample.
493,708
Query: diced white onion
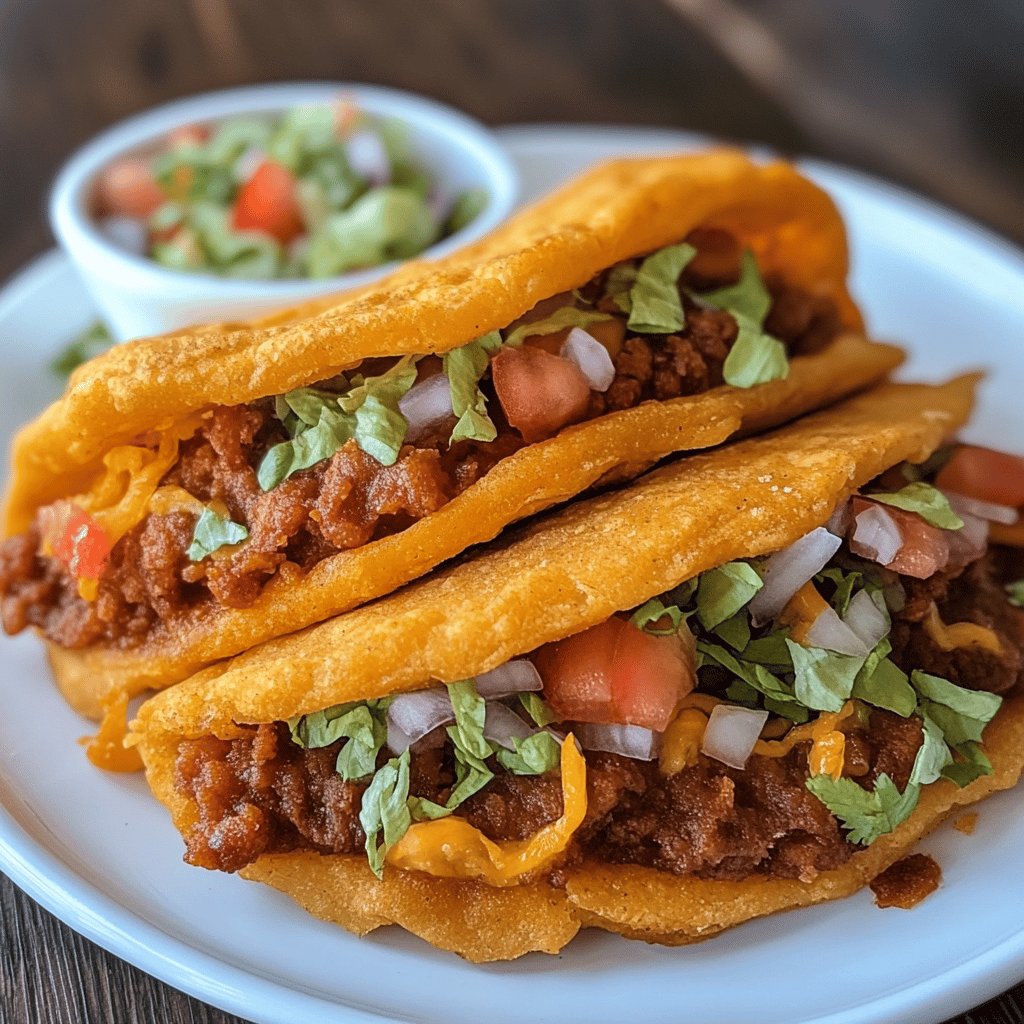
248,163
876,535
628,740
413,715
517,676
590,357
983,509
502,725
788,570
398,741
426,403
126,233
368,157
839,521
830,633
866,619
731,733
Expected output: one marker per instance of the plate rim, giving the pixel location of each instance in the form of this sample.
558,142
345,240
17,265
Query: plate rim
125,933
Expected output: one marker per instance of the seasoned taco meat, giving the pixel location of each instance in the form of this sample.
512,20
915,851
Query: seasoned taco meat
343,502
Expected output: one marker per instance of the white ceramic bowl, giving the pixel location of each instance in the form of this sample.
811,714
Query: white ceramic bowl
138,296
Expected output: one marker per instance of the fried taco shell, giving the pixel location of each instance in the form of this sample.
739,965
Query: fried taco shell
569,572
160,391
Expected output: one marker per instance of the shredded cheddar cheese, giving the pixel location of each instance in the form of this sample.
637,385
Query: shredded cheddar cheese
827,753
107,749
452,848
802,611
681,742
959,634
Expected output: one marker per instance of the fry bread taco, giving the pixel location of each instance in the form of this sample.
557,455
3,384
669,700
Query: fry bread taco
748,682
192,496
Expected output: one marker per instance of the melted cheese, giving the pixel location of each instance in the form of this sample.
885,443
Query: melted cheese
959,634
452,848
680,746
106,749
827,753
802,611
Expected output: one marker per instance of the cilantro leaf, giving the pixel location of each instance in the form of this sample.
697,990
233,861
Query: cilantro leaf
927,501
567,316
89,344
1015,591
722,592
824,680
865,814
464,367
385,809
655,304
213,531
647,617
533,755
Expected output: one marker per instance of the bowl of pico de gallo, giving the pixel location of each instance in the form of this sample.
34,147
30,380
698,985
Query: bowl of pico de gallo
236,203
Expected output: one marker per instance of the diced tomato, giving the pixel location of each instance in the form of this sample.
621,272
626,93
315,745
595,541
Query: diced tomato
73,537
127,188
267,203
925,548
346,116
984,474
539,392
187,135
614,672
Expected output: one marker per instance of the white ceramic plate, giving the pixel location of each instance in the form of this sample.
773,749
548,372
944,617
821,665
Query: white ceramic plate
98,852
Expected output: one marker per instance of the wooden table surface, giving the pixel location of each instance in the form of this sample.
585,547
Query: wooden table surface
928,95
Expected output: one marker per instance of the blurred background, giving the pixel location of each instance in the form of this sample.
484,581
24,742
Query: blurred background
929,94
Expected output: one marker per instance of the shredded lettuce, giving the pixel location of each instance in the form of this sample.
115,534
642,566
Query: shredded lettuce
618,282
962,714
932,756
884,684
385,809
1015,593
824,680
779,696
846,584
866,814
927,501
537,708
655,306
748,298
735,632
213,531
649,615
321,422
533,755
567,316
722,592
362,723
464,367
970,764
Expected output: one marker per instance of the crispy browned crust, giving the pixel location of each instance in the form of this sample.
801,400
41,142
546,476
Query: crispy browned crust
568,572
617,210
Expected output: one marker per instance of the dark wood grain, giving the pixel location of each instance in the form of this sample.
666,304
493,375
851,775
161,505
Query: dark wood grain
931,95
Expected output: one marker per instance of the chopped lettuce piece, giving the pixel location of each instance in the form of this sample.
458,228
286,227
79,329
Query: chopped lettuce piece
932,756
89,344
735,631
927,501
865,814
470,714
770,649
748,298
537,708
755,357
308,447
385,223
884,684
232,253
464,367
962,714
824,679
618,282
970,764
649,616
722,592
655,304
214,531
778,695
362,723
567,316
846,585
533,755
380,428
467,207
385,809
1015,592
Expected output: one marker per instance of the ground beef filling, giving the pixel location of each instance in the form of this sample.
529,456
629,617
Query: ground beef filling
339,504
260,793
